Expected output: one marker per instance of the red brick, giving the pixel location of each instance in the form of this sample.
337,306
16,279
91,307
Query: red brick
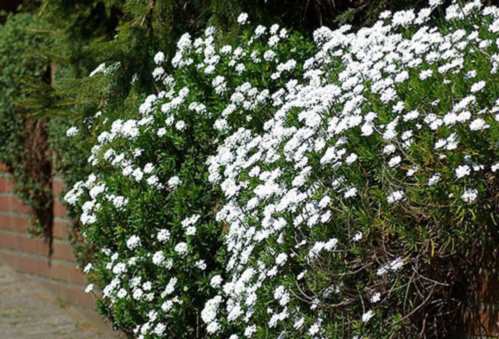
61,228
59,209
63,250
57,186
5,221
6,185
18,206
74,294
22,222
40,266
5,202
16,223
22,243
29,255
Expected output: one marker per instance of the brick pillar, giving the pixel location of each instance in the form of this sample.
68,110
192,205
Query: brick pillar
28,254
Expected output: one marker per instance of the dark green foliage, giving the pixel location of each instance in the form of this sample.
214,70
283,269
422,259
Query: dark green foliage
24,75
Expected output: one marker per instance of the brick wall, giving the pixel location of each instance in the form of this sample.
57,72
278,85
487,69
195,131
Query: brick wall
29,254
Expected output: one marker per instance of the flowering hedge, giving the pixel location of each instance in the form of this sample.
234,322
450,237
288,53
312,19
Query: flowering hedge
279,187
149,205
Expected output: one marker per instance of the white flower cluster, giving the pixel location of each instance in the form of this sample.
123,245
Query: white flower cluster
285,185
370,118
126,173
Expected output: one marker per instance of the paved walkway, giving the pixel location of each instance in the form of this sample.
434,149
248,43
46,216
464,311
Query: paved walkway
28,311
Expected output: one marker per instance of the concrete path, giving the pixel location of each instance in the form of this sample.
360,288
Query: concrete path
28,311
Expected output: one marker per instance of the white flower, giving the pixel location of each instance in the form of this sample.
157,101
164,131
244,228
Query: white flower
201,264
181,248
389,149
402,76
477,87
138,174
159,58
180,125
88,268
281,259
119,268
122,293
209,312
469,195
395,196
72,131
375,297
163,235
240,68
367,316
396,264
148,168
89,288
161,132
411,171
137,294
216,281
367,129
351,158
220,124
158,73
242,18
298,324
463,171
160,329
158,258
97,190
435,3
133,242
167,306
435,178
394,161
314,329
99,69
357,236
425,74
191,230
147,286
350,193
478,124
174,182
213,327
119,202
403,18
269,55
170,287
298,169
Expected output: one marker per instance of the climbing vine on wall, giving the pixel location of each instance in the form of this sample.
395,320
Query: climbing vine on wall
24,74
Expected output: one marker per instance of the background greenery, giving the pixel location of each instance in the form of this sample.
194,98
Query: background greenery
25,76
